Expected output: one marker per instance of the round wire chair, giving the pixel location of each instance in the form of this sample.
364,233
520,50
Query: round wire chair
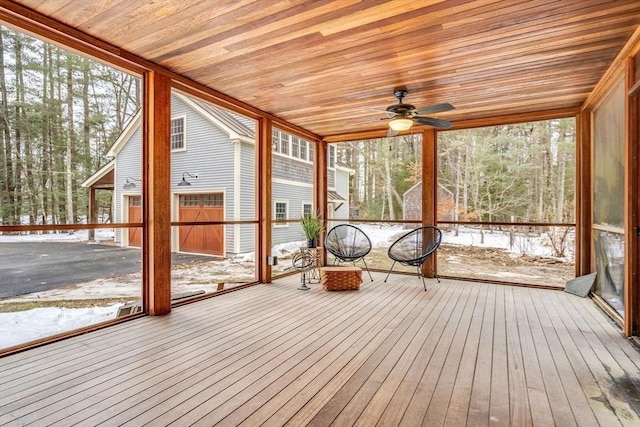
415,248
348,243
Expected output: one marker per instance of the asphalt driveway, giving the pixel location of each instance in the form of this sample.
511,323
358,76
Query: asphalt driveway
27,267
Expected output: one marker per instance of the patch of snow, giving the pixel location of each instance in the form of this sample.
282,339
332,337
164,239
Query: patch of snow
24,326
101,235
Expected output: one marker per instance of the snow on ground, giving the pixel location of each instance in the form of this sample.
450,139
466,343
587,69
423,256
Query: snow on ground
24,326
101,235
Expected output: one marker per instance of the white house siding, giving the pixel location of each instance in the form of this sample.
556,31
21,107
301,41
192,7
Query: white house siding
342,188
331,178
129,164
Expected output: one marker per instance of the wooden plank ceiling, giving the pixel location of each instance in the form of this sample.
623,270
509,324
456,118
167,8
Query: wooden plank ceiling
330,66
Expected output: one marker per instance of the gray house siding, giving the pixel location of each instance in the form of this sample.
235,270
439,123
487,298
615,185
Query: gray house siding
128,164
290,169
222,165
247,210
209,155
294,196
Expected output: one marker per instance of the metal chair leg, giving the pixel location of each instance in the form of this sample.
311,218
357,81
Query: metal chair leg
367,268
424,285
433,272
385,279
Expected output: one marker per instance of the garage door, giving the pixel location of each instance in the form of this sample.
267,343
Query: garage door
202,239
135,215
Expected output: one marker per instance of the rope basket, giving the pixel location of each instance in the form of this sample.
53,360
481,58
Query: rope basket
340,278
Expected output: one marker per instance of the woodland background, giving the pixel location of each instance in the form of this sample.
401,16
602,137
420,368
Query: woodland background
61,113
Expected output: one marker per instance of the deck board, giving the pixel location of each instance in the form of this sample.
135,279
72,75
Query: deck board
389,354
458,406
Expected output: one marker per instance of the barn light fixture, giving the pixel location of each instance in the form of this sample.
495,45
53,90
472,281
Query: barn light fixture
184,182
400,124
130,183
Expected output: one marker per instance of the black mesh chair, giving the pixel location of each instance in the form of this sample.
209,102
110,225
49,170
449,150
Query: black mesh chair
347,243
415,248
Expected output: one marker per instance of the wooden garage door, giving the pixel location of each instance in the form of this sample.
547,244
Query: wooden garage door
202,239
135,215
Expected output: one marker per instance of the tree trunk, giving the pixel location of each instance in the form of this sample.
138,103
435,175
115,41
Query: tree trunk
86,131
56,128
19,119
7,210
69,142
389,187
562,170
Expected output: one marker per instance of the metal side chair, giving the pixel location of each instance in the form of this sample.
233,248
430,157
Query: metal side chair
415,248
348,243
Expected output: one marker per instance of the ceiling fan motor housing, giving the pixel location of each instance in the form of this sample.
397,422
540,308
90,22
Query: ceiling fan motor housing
402,109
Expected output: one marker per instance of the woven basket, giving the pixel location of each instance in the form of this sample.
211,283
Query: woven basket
340,278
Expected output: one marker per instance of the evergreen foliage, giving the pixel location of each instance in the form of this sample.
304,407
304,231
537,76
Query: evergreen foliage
60,114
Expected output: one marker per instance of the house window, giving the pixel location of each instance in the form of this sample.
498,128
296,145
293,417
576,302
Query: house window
281,212
177,133
303,149
295,147
277,140
190,200
307,210
290,145
332,156
213,200
280,142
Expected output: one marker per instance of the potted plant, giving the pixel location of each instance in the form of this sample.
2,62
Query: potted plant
312,226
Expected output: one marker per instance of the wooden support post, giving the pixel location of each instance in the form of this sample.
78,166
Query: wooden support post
156,194
429,188
320,189
92,212
264,149
632,197
583,194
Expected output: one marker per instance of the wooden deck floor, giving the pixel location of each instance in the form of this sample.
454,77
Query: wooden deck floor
389,354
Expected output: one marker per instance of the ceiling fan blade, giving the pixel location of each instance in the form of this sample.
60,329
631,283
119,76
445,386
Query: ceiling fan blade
433,122
436,108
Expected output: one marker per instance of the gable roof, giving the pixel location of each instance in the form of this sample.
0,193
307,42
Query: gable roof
101,173
219,117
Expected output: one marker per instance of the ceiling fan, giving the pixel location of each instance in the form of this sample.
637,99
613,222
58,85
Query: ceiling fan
404,115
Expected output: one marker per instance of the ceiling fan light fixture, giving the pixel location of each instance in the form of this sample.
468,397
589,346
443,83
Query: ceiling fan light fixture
400,124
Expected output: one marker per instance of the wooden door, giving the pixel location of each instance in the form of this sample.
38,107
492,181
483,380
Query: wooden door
135,216
203,239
